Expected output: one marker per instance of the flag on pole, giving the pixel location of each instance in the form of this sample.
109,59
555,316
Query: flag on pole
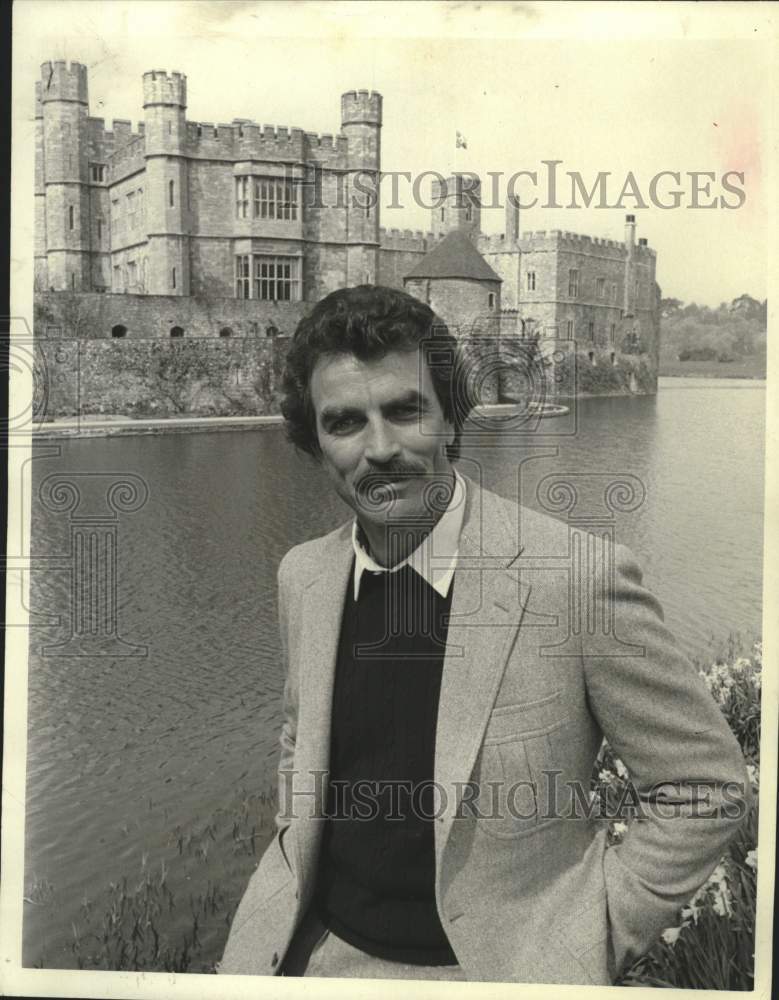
460,141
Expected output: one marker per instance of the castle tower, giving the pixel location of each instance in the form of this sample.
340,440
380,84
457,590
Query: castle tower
62,176
456,204
361,115
167,183
628,304
39,236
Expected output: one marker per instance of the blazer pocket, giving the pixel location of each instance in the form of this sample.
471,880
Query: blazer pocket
515,784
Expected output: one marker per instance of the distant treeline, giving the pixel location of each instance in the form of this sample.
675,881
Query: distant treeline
733,331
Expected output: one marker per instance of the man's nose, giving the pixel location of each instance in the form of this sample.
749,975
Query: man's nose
382,445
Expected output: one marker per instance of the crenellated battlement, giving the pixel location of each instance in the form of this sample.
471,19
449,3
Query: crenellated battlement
406,239
245,140
161,87
62,81
493,243
564,240
361,107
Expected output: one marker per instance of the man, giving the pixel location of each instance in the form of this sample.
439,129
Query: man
443,704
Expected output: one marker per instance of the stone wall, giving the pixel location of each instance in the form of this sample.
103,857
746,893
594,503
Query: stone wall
91,315
200,376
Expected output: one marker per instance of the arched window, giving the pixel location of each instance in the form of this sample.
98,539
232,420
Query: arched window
176,331
225,332
171,190
491,300
591,356
613,358
119,330
70,216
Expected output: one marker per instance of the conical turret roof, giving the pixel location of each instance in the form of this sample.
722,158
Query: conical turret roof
454,257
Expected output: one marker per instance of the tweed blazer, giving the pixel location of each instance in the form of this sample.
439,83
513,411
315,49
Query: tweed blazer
553,644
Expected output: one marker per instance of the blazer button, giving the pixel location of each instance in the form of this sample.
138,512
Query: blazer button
275,960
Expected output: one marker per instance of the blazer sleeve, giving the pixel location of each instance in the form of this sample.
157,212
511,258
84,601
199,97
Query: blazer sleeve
289,726
661,720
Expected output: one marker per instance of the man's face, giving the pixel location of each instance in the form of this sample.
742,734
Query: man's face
382,433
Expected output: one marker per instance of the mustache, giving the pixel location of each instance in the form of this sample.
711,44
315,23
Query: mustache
395,472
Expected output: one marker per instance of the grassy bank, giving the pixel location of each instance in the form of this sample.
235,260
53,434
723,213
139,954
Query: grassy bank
748,367
146,920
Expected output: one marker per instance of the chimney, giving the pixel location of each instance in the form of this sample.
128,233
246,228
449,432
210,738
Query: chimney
512,220
630,232
630,243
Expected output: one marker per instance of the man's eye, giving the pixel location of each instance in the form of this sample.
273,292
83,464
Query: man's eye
344,425
407,413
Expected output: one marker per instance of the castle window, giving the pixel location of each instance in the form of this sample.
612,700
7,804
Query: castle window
491,300
573,282
99,228
170,128
241,197
97,173
173,277
140,205
531,281
614,292
132,275
275,199
225,332
70,216
117,280
119,330
242,283
176,331
613,357
569,329
171,193
131,210
591,356
612,331
73,280
600,287
276,278
591,330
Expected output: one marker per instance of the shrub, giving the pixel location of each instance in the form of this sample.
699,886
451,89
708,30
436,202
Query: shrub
712,947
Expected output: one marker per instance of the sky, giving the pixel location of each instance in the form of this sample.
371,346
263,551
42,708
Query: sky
602,88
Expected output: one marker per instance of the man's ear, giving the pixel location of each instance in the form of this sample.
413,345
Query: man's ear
450,436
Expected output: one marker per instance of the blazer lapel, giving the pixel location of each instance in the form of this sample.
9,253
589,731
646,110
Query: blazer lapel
487,607
322,610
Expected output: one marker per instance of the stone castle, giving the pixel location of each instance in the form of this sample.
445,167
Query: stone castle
158,219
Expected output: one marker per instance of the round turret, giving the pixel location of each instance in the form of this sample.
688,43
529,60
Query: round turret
160,87
361,107
63,82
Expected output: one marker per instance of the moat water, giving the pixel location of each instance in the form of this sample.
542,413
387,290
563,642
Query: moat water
128,757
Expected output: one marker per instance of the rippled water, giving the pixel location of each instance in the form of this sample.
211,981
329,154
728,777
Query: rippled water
125,753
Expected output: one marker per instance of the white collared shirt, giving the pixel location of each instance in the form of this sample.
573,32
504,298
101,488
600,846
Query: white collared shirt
435,558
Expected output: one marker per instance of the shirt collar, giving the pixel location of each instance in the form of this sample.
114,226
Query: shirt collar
434,558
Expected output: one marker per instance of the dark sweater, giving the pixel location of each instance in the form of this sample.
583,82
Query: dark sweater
376,877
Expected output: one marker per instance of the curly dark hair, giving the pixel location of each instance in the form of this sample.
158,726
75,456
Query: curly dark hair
368,321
